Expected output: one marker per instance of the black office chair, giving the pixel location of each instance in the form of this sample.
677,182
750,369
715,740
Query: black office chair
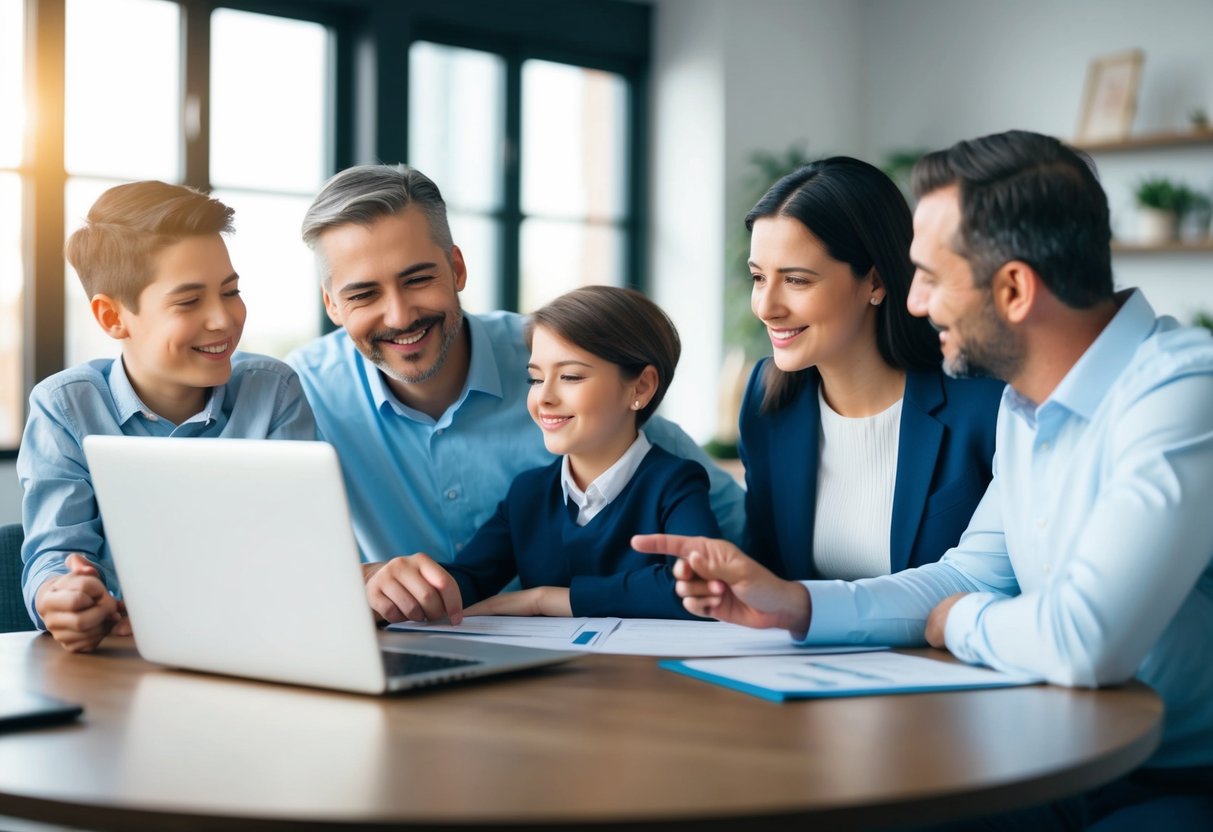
13,617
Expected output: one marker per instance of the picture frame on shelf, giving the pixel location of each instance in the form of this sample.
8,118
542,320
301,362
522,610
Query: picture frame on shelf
1109,99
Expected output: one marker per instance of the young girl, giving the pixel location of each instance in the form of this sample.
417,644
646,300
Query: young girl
601,360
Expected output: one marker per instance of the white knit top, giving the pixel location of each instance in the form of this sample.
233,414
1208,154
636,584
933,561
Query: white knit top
856,473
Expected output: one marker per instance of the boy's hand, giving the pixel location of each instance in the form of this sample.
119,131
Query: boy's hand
715,579
541,600
78,610
414,588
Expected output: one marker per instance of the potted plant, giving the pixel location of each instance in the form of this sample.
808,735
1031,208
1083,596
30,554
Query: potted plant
1158,201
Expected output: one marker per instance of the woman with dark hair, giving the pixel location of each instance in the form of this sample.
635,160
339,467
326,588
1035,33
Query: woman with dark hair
862,458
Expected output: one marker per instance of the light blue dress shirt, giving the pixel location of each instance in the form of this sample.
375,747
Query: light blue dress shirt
416,484
262,400
1089,556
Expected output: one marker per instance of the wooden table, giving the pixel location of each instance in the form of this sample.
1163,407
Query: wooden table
605,740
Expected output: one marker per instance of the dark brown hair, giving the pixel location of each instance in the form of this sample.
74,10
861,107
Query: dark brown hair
114,252
862,220
1028,197
618,325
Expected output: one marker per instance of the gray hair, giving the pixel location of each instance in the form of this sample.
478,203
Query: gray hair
364,193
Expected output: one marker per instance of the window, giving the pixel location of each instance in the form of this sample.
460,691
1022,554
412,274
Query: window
574,199
12,135
556,214
457,138
263,168
483,100
121,122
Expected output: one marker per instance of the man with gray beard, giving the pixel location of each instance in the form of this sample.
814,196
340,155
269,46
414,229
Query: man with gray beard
425,405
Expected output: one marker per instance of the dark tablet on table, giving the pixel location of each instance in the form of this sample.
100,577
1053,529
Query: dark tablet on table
24,709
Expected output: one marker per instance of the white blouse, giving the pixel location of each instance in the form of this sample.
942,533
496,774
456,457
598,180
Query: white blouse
856,474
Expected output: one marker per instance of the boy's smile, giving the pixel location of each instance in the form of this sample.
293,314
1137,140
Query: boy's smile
179,344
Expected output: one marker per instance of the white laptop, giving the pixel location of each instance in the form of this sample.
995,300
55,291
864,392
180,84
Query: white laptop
237,556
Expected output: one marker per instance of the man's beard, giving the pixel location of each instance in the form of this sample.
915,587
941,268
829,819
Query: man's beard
450,331
990,350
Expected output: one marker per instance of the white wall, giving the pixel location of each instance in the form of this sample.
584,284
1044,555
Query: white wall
10,493
941,70
867,76
730,78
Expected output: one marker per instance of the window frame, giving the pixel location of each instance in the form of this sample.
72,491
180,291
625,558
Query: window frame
368,91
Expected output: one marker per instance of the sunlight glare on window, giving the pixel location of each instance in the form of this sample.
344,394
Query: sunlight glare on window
268,114
83,339
12,394
558,256
123,89
574,138
278,282
270,148
12,108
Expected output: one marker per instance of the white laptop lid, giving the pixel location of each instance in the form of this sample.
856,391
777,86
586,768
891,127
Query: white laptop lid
237,556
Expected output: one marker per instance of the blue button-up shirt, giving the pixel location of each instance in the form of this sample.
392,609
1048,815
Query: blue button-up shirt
1088,559
417,484
262,400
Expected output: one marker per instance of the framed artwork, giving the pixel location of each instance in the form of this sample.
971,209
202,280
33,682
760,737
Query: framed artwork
1109,100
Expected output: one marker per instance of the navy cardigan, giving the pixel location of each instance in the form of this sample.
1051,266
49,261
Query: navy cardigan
534,535
944,457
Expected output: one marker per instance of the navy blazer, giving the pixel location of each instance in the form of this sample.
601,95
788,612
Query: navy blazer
945,452
534,535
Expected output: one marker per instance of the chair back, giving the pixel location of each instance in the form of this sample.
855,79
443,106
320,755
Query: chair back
13,615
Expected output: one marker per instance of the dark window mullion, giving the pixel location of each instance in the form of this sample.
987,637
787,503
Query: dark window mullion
511,209
196,93
635,241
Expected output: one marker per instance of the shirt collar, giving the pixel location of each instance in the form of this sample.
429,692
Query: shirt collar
128,403
1088,381
611,482
483,374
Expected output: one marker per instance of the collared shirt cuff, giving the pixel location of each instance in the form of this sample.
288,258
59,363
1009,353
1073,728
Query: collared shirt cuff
961,633
48,571
833,614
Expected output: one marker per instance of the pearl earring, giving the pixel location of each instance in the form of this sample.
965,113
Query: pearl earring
636,405
876,301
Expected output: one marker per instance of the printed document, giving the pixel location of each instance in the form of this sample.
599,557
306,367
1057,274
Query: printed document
804,677
627,636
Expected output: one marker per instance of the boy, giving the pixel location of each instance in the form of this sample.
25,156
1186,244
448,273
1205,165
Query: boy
160,281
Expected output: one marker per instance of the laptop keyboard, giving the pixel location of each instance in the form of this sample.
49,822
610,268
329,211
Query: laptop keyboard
410,664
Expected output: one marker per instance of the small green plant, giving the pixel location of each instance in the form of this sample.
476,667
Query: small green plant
1160,193
1199,118
1204,319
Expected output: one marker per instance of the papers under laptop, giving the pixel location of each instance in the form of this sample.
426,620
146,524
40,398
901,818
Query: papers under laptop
237,556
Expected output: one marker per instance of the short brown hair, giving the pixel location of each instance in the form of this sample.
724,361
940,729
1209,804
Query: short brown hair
114,252
618,325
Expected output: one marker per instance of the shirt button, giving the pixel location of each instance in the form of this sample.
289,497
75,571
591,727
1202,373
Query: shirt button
1044,446
151,417
439,431
458,547
1041,523
452,494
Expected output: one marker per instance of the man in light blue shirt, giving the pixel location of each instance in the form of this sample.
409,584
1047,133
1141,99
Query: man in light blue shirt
426,405
1087,561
